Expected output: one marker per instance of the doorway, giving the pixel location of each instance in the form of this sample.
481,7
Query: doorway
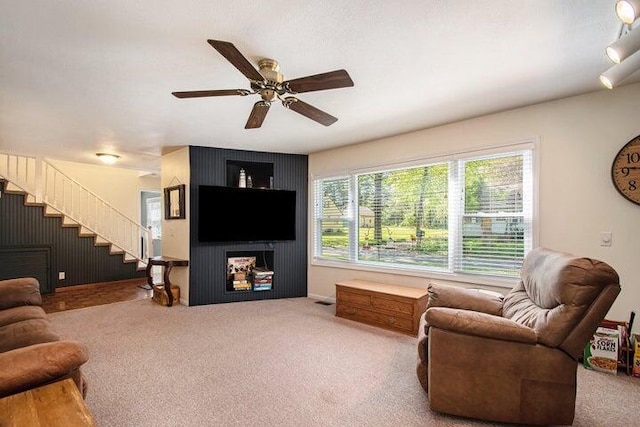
151,217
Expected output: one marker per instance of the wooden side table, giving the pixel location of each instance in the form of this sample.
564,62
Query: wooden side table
58,404
167,263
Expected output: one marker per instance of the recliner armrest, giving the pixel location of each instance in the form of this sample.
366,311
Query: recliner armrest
16,292
479,324
37,364
466,299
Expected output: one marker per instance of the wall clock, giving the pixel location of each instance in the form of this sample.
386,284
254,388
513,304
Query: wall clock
625,171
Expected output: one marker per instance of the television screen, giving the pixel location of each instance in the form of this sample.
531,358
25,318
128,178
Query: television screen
230,214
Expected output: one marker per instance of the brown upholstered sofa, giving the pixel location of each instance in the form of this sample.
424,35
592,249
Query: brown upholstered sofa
31,353
514,360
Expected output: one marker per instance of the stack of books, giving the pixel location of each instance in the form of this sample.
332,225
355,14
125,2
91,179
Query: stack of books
262,279
239,271
241,285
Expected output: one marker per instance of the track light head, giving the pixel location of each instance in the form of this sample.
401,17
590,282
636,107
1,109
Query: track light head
628,10
624,47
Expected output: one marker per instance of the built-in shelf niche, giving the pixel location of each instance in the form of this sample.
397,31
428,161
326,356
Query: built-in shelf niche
260,173
264,261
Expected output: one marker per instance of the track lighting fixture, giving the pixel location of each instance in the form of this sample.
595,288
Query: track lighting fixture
625,51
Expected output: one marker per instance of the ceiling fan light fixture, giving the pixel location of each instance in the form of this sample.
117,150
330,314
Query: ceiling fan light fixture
614,75
628,10
624,47
107,158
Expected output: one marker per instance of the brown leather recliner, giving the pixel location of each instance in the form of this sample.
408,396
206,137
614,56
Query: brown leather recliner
514,360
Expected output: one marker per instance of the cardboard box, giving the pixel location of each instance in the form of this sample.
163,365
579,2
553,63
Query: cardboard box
601,353
636,356
160,296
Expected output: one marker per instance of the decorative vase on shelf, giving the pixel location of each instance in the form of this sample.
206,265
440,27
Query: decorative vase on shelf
242,182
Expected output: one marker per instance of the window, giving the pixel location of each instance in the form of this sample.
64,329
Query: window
467,215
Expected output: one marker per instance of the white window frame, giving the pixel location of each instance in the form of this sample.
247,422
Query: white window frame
454,226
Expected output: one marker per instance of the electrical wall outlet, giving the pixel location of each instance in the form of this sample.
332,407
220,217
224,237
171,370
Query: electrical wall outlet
61,275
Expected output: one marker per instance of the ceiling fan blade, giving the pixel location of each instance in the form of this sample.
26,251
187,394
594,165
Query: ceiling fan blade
309,111
331,80
202,93
258,113
233,55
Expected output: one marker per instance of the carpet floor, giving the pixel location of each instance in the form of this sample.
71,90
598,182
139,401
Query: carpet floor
287,362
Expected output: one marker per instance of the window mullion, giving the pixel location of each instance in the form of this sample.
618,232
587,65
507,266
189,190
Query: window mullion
353,218
456,206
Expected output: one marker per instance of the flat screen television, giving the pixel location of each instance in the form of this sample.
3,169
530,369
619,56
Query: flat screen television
231,214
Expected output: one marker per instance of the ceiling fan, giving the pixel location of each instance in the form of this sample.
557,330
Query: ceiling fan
270,84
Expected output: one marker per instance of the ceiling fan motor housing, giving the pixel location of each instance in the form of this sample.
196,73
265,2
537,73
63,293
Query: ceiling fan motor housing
270,70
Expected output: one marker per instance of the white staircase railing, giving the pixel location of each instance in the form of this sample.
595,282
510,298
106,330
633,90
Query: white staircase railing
48,184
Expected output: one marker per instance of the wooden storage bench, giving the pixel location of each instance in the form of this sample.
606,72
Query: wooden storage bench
397,308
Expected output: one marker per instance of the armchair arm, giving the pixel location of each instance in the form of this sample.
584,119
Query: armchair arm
479,324
23,291
37,364
466,299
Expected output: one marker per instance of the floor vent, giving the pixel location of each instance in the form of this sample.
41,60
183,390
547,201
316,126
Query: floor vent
324,302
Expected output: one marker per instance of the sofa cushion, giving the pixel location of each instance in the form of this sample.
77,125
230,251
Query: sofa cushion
24,312
441,295
16,292
39,364
26,332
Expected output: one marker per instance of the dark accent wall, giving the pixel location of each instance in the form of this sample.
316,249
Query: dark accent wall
207,261
23,227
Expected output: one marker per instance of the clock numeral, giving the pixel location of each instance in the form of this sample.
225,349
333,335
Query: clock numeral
632,185
633,157
625,171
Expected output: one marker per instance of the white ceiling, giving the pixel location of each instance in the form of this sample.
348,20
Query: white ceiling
78,77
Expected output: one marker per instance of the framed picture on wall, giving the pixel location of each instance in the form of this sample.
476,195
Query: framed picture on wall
174,202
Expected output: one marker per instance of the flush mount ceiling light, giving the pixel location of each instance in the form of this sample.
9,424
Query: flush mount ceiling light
107,159
628,10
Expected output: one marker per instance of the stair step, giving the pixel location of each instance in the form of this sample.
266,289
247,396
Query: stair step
114,250
99,241
85,232
129,258
11,188
51,212
30,200
68,222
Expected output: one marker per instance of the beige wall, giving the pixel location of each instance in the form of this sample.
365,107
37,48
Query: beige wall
117,186
577,138
175,233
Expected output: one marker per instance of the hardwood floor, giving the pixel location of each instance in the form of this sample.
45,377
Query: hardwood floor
72,297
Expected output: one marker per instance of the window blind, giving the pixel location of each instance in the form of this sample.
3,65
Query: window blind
332,218
496,214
